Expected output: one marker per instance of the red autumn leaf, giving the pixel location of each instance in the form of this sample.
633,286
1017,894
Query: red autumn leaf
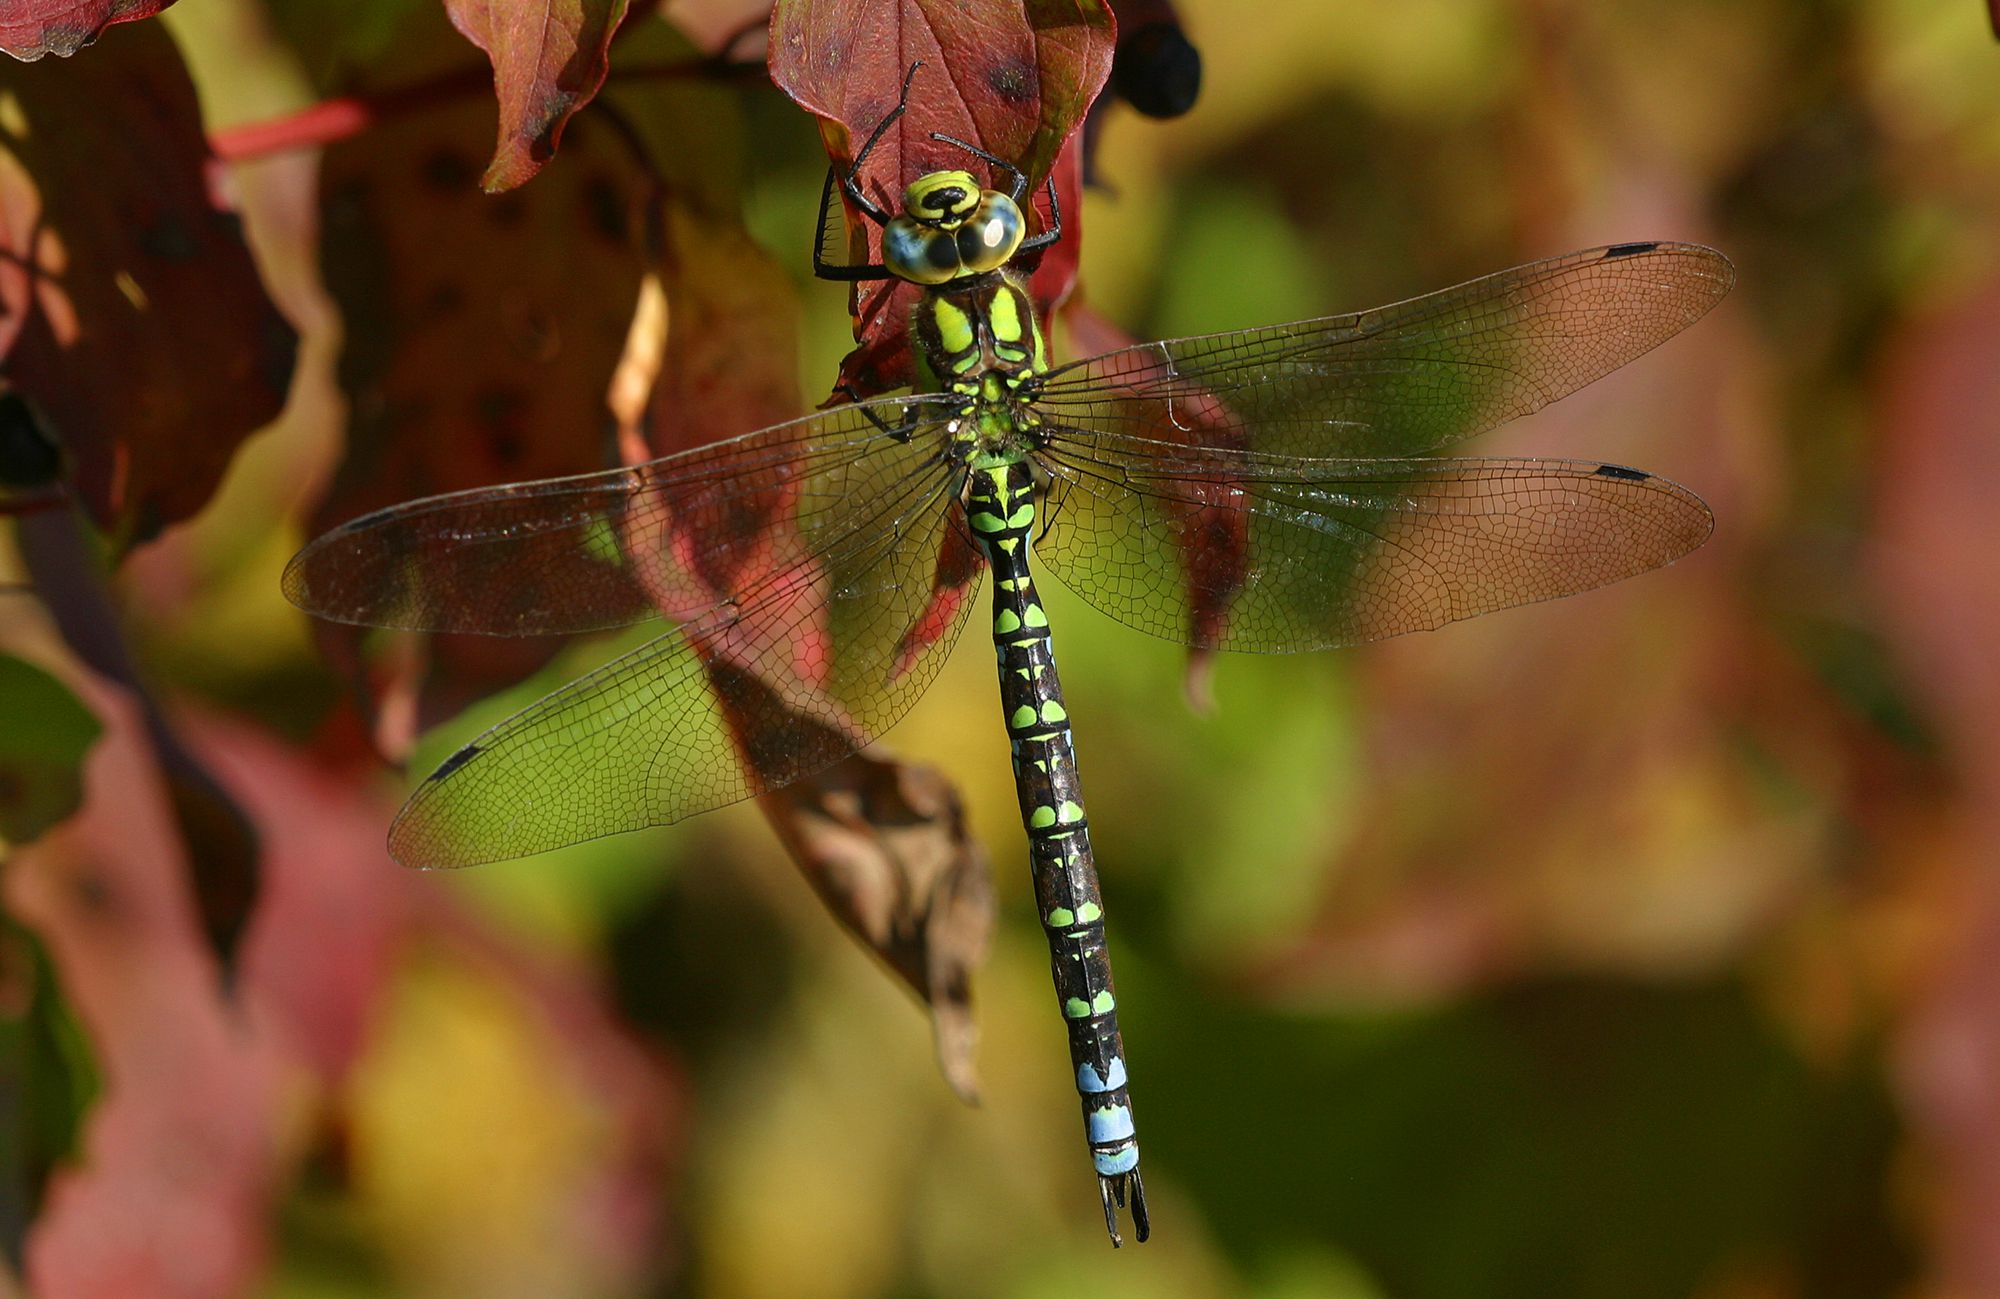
1016,81
482,334
134,316
1935,538
31,28
549,58
189,1144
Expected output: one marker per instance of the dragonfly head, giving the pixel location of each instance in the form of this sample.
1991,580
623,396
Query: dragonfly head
951,229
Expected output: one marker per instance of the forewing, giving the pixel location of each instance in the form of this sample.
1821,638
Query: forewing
1338,552
609,549
1404,379
653,737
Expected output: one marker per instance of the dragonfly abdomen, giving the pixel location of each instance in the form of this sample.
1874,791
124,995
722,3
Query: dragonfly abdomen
1000,509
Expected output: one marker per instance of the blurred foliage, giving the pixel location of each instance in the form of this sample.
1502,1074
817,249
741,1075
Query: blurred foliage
1643,945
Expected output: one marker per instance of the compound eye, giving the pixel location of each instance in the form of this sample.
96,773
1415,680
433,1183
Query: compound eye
992,234
913,251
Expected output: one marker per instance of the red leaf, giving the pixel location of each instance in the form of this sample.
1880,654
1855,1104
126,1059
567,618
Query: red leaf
549,58
134,315
1015,80
200,1120
31,28
1936,534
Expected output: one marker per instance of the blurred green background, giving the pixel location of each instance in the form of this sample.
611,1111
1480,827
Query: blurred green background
1645,944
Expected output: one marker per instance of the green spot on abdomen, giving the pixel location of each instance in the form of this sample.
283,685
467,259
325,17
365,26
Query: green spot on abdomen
1076,1008
1006,621
1061,918
1023,716
1088,912
1034,617
1053,712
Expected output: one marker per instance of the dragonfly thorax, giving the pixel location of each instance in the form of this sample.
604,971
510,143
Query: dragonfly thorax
950,229
975,327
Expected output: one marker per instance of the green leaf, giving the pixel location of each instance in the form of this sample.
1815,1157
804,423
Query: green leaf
42,744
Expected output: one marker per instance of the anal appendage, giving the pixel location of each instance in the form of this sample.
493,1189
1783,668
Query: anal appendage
1124,1190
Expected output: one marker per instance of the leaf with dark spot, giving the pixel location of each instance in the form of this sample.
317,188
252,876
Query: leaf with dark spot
1015,80
481,336
549,58
130,310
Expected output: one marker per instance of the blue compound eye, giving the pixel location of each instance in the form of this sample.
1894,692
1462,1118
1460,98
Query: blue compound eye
919,253
991,235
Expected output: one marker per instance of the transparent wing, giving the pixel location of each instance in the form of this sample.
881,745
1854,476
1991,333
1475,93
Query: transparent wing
1336,552
1404,379
792,673
610,549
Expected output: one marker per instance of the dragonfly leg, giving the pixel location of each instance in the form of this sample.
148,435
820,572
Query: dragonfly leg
1019,186
851,183
1020,181
1054,232
829,270
901,430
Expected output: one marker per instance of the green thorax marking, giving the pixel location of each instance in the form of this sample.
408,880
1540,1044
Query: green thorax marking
975,327
979,338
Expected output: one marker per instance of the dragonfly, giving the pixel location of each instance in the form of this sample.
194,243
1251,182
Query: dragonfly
1264,490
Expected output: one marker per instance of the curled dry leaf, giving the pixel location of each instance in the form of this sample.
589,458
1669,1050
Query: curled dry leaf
884,843
135,317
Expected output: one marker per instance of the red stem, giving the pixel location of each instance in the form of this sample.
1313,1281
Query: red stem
337,119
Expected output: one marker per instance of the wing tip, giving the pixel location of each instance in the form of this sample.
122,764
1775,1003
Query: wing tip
1716,268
